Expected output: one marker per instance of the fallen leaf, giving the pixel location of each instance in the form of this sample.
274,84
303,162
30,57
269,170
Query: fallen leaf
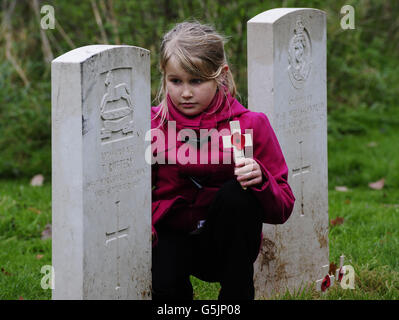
37,180
46,233
341,188
347,201
378,185
5,272
20,298
337,221
333,268
39,256
37,211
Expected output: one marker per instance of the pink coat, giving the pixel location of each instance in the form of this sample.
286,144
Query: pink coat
173,185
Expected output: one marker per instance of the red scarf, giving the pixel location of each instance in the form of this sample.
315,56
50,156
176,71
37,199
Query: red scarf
219,109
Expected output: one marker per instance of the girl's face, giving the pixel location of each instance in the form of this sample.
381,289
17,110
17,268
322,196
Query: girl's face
191,95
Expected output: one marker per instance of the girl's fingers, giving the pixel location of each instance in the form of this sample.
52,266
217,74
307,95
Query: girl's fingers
248,172
252,182
249,176
244,170
244,166
240,163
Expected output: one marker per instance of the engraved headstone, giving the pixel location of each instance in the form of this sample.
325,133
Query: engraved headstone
101,186
287,81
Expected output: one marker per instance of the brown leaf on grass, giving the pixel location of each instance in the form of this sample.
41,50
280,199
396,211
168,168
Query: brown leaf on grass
337,221
37,211
46,233
341,188
333,268
39,256
20,298
378,185
5,272
347,201
37,180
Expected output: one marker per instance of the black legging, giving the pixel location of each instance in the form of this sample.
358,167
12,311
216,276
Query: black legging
223,251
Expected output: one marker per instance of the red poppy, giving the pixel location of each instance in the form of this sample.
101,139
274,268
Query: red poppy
238,140
326,283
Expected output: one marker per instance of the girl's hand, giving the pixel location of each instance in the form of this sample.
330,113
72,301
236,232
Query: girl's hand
248,172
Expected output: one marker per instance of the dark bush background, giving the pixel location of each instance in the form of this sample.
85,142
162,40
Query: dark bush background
362,70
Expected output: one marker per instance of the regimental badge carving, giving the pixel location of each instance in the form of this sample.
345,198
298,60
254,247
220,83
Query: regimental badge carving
299,55
116,110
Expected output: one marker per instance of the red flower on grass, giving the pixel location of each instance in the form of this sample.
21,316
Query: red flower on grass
238,140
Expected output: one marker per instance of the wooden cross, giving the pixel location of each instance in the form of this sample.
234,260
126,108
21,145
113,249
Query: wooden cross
119,233
341,271
326,281
301,171
237,141
345,275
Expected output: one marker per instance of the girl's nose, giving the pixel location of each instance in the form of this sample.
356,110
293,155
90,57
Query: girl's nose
186,94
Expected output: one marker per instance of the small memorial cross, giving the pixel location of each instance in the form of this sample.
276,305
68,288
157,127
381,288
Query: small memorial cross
325,282
237,141
345,275
339,273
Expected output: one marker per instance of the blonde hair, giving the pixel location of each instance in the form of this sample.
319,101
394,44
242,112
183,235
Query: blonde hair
199,50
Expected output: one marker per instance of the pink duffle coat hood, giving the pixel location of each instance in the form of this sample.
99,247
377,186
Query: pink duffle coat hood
183,188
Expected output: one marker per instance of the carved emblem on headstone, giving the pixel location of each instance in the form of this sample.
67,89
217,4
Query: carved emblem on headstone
299,55
116,109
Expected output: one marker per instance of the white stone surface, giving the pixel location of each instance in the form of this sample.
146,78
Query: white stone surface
287,81
101,183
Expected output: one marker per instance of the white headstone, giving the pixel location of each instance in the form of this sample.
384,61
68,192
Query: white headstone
287,82
101,183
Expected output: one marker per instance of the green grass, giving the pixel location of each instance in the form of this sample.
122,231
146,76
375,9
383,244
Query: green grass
363,147
24,213
368,237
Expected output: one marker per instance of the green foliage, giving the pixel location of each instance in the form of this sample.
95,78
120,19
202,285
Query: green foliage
361,63
25,127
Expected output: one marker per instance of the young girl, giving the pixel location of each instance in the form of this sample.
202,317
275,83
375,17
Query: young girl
207,215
